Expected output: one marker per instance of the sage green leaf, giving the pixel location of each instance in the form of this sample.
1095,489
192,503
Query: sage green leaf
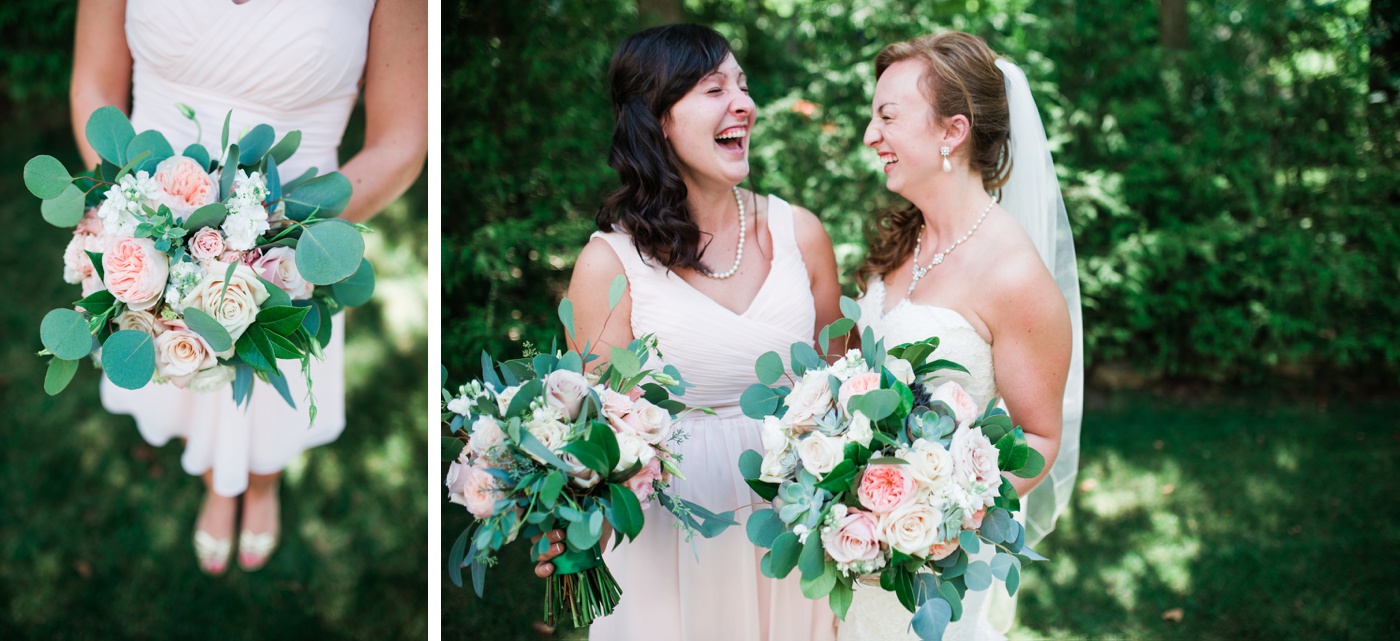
198,154
978,576
211,216
769,368
804,358
208,329
786,550
812,560
46,177
763,527
1013,579
931,619
59,374
275,296
822,584
581,536
850,309
566,316
65,209
129,358
968,541
455,556
223,138
286,147
1002,564
326,196
65,333
840,599
877,404
151,143
615,290
950,594
109,131
358,288
329,252
228,173
254,144
625,362
549,490
750,464
759,401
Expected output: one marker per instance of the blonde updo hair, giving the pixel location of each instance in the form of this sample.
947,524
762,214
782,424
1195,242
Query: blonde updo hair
960,77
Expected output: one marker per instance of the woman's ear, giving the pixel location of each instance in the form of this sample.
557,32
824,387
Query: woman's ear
956,130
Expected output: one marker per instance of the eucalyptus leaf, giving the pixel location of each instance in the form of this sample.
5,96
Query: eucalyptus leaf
151,143
129,358
254,144
566,315
45,177
850,309
326,195
769,368
763,527
812,561
329,252
65,333
931,619
286,147
211,216
822,584
65,209
109,131
978,576
208,329
59,374
840,599
625,362
198,154
750,464
615,290
786,550
358,289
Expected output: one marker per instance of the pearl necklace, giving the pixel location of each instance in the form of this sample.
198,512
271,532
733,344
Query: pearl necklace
920,272
738,254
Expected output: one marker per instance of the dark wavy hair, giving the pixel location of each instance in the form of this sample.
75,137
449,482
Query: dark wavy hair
651,71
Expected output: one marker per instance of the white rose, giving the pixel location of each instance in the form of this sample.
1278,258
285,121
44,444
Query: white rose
911,528
964,408
485,434
931,465
580,475
633,450
546,424
775,436
180,353
809,400
241,301
819,452
901,370
648,422
504,398
566,390
459,405
777,465
213,379
974,460
860,430
141,321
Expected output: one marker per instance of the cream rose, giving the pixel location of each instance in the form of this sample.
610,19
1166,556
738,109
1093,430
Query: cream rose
485,434
141,321
911,528
214,379
819,452
240,303
775,436
964,408
809,400
180,353
853,537
580,475
633,450
206,244
566,390
860,430
504,398
135,272
777,465
186,185
930,463
859,384
974,460
278,266
648,422
546,424
615,407
901,369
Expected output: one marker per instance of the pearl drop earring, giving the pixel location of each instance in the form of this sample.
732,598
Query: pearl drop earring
947,166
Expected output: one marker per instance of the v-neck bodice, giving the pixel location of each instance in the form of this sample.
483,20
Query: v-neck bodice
713,346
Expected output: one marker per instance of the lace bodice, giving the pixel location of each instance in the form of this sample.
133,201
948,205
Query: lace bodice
957,340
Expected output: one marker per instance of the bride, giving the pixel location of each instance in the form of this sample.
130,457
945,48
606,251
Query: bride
992,276
295,66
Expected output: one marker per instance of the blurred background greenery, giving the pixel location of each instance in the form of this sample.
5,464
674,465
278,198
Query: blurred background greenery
1230,169
95,524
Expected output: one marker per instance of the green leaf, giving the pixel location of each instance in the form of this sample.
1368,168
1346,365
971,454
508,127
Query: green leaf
208,329
59,374
615,290
358,288
65,333
1013,578
566,316
523,397
46,177
1002,564
275,296
850,309
602,436
1035,464
255,349
549,490
968,540
750,464
627,510
978,576
821,585
198,154
759,401
211,216
109,131
228,173
804,358
65,209
840,327
151,143
590,455
931,619
254,144
996,526
326,195
223,138
839,477
877,404
455,557
840,599
452,448
769,368
581,536
812,560
625,362
765,490
286,147
530,444
281,320
329,252
763,527
786,550
129,358
950,594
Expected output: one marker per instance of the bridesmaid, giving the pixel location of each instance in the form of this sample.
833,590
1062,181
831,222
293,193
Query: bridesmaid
292,65
720,275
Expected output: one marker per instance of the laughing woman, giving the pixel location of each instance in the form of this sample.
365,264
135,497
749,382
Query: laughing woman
720,275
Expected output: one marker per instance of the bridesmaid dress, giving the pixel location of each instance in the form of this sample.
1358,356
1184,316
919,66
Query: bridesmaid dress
708,589
291,64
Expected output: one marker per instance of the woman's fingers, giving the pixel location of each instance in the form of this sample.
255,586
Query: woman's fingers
543,570
556,536
555,549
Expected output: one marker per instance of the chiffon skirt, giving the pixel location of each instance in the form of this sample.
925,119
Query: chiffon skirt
707,589
259,438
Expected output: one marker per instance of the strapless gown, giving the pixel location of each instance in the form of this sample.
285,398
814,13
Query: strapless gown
291,64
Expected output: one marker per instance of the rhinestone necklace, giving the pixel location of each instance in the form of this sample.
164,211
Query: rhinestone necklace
920,272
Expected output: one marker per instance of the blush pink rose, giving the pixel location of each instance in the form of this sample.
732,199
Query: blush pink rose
187,186
942,549
974,520
860,384
91,223
886,487
957,398
616,407
278,266
565,390
233,256
206,244
852,538
77,265
472,487
181,353
136,272
641,483
647,422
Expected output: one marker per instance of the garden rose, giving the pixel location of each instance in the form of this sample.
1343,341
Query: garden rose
206,244
777,465
901,369
973,520
91,224
141,321
77,265
975,459
186,185
774,434
642,483
648,422
942,549
473,487
278,266
580,475
930,463
911,528
633,450
885,487
213,379
485,434
809,400
240,303
957,398
135,272
565,390
181,352
819,453
852,538
859,384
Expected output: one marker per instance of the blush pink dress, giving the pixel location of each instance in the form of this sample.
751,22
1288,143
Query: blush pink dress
291,64
712,589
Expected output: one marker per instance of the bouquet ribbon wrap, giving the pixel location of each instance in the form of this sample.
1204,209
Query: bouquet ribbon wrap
575,561
581,588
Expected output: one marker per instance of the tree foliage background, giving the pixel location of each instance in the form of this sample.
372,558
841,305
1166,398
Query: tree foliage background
1229,166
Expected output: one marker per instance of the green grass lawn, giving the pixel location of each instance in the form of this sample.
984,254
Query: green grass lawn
1251,518
95,524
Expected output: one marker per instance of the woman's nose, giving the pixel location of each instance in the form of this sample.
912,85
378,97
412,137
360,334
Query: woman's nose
872,134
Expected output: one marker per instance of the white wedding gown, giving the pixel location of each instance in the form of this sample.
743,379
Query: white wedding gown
877,615
290,64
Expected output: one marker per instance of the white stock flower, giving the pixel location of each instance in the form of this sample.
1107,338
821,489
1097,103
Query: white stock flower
125,199
485,434
459,405
775,436
860,430
242,227
184,277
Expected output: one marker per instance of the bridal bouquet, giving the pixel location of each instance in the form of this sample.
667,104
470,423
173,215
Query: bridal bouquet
196,270
871,472
543,443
